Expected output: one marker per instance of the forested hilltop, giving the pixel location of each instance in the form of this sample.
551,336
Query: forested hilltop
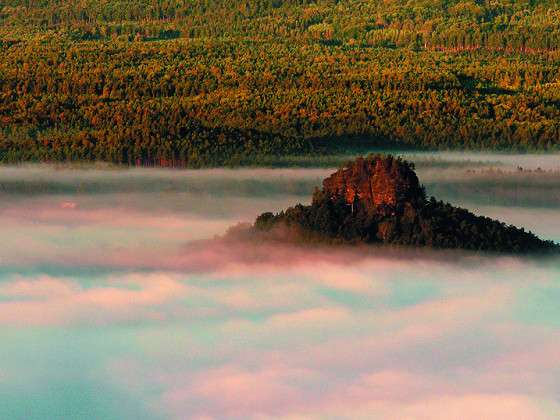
212,82
379,200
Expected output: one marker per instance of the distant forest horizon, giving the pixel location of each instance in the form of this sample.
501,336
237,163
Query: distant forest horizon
215,82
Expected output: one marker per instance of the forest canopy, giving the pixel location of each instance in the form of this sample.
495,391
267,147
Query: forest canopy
212,82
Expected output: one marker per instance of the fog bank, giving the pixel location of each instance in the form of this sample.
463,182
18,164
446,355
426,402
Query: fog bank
116,302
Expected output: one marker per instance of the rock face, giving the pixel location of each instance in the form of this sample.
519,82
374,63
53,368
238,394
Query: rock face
374,182
379,199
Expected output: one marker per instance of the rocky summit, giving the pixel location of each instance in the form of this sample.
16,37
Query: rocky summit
374,183
379,199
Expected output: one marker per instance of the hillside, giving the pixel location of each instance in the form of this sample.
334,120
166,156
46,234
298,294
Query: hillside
379,200
194,83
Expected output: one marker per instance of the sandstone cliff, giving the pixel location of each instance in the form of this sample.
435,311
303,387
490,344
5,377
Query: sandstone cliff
375,182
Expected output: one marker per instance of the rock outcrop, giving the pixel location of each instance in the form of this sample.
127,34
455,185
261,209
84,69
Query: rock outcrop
374,183
379,199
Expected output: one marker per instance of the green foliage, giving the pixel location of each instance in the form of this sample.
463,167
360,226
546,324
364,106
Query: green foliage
211,82
458,24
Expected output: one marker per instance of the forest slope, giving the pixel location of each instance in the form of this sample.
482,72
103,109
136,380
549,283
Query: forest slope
214,82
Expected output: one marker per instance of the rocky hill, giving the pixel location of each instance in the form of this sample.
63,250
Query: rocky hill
374,183
379,199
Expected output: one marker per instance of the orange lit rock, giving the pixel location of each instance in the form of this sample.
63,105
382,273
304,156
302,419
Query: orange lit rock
374,182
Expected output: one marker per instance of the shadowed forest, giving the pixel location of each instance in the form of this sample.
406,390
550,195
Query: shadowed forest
214,82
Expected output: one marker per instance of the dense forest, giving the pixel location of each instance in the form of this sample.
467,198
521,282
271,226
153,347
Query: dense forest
213,82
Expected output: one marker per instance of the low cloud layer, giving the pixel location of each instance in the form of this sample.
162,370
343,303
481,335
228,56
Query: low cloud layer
120,304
